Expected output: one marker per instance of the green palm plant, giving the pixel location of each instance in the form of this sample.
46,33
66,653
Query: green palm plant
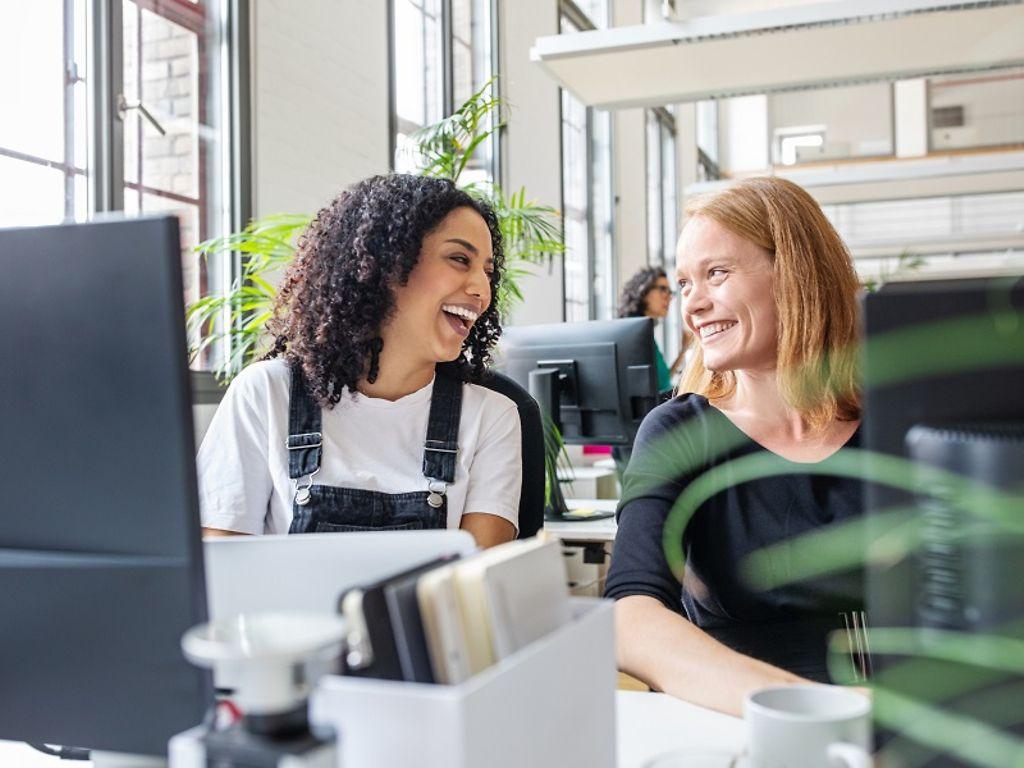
239,315
531,233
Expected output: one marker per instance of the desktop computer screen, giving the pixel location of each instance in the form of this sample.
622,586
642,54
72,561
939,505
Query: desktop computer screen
944,393
596,380
100,555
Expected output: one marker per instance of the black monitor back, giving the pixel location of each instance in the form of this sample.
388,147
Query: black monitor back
946,355
944,352
608,377
100,552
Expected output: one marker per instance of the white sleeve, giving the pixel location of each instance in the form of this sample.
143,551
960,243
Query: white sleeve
233,463
496,474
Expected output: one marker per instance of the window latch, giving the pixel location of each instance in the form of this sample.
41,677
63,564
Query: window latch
123,105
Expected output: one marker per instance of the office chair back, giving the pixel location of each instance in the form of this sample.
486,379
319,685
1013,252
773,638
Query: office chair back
531,500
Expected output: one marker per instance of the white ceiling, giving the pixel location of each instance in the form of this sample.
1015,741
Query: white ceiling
799,45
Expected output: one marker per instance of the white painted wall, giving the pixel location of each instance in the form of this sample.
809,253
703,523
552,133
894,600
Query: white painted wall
910,100
629,150
858,119
531,151
743,132
320,100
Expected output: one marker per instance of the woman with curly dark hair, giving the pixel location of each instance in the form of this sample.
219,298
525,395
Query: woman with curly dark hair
648,294
366,414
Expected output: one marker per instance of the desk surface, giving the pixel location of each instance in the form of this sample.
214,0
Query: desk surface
653,724
586,530
648,725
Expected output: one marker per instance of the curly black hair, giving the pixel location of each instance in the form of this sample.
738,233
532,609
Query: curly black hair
632,302
339,290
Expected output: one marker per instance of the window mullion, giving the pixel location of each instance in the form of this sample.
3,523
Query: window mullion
68,93
498,136
591,209
447,58
107,71
239,165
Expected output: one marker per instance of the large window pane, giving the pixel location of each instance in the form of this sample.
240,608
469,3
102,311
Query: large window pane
661,214
575,208
43,136
439,63
603,282
419,91
471,68
30,54
174,127
587,196
30,194
596,11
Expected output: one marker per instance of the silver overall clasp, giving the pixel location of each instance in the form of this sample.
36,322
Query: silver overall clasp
302,492
437,489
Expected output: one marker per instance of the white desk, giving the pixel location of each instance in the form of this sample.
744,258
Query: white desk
18,755
651,724
648,725
586,530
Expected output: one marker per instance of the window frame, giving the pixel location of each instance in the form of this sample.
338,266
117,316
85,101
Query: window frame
106,173
447,69
106,47
570,12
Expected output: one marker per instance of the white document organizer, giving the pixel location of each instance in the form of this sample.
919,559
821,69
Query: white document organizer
550,704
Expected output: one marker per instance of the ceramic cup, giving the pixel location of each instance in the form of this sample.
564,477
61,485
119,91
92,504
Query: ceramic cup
807,726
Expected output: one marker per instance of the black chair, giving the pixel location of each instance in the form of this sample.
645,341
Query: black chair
531,500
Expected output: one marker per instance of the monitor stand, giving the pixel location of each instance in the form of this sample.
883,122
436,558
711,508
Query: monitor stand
557,511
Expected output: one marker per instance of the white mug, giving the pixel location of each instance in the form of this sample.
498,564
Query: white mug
807,726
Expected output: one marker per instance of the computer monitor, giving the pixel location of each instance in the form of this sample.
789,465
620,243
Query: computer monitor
596,380
101,566
944,389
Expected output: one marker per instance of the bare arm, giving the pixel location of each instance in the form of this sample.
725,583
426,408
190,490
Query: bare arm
215,532
487,529
673,655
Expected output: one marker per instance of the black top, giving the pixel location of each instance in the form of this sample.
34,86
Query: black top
784,623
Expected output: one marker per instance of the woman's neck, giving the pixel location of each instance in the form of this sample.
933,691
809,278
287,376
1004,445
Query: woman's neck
757,398
398,375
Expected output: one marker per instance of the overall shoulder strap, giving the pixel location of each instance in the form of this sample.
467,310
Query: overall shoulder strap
305,442
442,445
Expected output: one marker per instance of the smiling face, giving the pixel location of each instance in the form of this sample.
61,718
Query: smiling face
658,297
447,290
727,299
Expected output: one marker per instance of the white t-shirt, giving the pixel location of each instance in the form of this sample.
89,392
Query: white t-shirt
368,443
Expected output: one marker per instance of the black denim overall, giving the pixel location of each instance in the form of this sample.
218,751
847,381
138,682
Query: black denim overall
325,508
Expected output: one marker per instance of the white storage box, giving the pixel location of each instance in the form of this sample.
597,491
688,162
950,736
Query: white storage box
550,704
